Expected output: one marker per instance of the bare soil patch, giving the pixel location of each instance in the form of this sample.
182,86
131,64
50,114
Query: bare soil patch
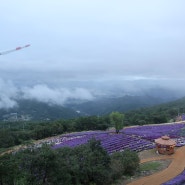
146,154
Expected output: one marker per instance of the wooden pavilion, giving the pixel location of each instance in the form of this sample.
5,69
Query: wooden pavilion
165,145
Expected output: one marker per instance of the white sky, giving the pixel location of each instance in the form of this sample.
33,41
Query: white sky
92,41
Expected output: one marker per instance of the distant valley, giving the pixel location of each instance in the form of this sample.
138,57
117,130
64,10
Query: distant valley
28,110
32,110
122,104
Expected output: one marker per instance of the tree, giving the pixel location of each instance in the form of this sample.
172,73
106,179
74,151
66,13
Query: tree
8,169
86,164
124,163
68,168
116,119
94,163
130,161
38,166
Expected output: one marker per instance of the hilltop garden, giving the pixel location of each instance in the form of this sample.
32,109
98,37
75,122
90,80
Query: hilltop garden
95,156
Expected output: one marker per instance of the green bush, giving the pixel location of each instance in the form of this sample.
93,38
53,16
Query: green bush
124,163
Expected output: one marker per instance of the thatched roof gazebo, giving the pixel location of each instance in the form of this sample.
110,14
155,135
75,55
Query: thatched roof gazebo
165,145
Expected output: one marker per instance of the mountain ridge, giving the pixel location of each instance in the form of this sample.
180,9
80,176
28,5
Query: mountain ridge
35,110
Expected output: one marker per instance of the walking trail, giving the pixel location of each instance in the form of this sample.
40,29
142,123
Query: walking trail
175,168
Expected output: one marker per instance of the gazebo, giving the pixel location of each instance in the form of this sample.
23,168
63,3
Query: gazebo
165,145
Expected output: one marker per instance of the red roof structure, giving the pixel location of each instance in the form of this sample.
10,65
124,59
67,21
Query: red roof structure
165,145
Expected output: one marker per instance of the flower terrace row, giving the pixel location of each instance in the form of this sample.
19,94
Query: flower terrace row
135,138
152,132
110,141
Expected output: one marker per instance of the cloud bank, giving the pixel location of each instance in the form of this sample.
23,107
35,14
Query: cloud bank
83,49
9,94
56,96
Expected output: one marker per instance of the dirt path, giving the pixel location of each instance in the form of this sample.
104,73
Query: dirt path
176,167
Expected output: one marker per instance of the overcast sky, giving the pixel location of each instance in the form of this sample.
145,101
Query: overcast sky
88,43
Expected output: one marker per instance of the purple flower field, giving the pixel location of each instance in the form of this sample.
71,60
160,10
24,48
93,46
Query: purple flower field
151,132
135,138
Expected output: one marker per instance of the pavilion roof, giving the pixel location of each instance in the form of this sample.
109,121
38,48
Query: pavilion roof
165,140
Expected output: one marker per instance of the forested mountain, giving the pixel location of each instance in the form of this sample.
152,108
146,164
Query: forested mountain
166,112
121,104
34,110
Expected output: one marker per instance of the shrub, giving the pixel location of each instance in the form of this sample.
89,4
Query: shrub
124,163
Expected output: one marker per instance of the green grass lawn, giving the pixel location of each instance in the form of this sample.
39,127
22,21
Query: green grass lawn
154,165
